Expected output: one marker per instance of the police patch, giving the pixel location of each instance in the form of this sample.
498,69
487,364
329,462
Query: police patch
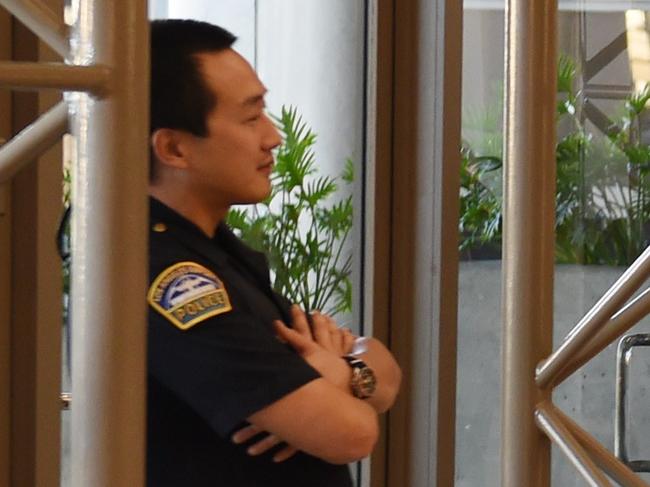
188,293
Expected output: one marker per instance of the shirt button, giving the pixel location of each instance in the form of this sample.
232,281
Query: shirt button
159,227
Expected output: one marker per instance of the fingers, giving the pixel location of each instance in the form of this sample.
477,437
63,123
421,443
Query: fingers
284,454
299,321
328,335
348,341
264,445
322,331
245,434
337,341
300,343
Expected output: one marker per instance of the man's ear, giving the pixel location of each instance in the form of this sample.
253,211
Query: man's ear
168,147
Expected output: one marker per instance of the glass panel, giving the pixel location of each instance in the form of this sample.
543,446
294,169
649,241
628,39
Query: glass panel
603,205
603,160
479,310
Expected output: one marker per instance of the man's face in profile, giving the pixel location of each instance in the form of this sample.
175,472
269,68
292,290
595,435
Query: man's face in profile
235,158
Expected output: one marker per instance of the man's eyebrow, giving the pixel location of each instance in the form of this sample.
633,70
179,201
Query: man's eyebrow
255,99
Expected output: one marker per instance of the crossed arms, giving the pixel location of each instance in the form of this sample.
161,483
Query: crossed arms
323,418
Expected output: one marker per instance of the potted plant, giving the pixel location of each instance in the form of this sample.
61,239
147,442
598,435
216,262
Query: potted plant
304,225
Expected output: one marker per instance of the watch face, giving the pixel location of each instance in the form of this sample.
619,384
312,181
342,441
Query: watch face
367,382
364,382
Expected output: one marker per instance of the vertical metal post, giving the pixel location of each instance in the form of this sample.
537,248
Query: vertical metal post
109,249
5,272
529,202
5,329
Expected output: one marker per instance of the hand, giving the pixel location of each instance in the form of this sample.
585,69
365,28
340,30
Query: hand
318,349
327,336
264,445
325,332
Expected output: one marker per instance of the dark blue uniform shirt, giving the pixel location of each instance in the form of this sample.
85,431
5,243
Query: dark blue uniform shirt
214,360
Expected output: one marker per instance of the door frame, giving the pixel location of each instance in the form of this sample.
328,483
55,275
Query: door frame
414,101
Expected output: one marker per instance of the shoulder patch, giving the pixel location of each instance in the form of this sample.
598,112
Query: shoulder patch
187,293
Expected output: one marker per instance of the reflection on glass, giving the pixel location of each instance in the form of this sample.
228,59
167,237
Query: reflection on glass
602,214
479,321
603,163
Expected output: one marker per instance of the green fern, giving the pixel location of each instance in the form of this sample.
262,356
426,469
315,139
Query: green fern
303,226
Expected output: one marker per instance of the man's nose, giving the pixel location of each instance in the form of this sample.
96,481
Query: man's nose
272,137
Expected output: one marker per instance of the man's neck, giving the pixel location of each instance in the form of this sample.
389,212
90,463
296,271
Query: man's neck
204,215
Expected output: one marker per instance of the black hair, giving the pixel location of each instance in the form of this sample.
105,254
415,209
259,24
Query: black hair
180,98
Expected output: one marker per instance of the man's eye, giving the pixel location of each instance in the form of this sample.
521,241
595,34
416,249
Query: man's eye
253,119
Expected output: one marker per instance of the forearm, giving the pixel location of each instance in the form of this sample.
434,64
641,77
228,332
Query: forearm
332,344
379,359
386,369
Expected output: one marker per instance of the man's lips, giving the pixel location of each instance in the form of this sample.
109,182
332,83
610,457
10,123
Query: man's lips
266,167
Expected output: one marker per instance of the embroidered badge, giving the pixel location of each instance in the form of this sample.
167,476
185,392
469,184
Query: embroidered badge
188,293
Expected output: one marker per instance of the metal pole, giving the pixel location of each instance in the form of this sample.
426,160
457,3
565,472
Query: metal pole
33,141
109,249
42,21
611,465
529,205
5,334
54,75
595,319
575,453
622,321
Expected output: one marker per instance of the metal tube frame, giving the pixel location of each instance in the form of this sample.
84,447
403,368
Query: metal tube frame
33,141
110,66
622,321
595,320
611,465
574,451
529,178
42,21
109,249
93,79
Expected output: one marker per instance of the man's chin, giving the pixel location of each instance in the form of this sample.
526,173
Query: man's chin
253,198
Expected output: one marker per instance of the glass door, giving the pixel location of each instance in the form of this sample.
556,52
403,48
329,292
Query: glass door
601,220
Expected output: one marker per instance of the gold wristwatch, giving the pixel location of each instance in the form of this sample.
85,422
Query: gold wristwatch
363,381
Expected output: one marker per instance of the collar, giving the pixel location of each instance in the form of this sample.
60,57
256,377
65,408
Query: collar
161,213
231,246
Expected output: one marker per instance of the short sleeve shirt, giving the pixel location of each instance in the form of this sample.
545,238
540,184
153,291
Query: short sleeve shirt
213,360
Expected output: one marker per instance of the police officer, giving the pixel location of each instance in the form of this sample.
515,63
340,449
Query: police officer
243,391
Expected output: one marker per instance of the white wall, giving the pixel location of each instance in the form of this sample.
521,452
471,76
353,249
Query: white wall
309,53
